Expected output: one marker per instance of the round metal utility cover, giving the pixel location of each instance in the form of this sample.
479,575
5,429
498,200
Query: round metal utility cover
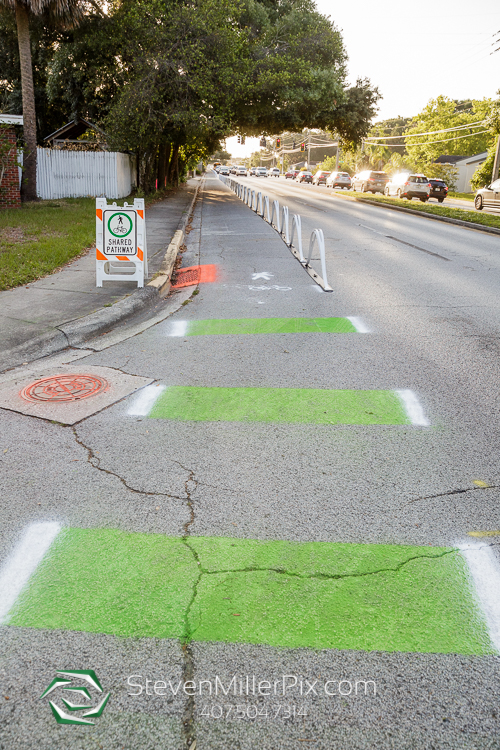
64,388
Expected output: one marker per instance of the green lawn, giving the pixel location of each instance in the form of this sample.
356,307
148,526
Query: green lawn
40,237
475,217
462,196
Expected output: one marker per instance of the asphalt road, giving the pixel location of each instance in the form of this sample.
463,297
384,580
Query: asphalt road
289,503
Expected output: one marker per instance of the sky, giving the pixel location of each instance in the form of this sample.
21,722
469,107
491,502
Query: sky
413,52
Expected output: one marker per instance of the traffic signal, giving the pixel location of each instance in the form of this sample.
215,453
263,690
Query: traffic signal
278,142
302,146
293,144
263,142
239,139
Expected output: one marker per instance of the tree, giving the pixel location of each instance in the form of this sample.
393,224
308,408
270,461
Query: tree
221,155
67,12
443,113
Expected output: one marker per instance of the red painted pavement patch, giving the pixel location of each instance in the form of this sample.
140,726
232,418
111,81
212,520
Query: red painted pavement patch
195,275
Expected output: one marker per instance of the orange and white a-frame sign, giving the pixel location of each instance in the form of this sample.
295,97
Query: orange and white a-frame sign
120,248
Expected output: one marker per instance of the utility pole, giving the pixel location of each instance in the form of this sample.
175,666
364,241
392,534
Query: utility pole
496,163
309,150
337,158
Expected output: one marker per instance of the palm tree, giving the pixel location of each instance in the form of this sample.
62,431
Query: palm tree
68,12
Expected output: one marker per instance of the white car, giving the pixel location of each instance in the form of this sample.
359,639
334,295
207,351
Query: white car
241,171
224,170
274,172
409,186
261,172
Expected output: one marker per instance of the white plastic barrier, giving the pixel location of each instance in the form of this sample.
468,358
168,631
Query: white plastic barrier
317,239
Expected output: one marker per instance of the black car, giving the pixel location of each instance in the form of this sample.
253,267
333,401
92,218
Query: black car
439,189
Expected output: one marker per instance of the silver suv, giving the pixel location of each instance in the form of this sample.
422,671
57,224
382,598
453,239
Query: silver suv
409,186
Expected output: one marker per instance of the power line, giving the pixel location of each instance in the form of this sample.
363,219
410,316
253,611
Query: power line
441,140
478,123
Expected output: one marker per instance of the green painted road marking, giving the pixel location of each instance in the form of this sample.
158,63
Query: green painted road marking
314,595
110,581
269,325
303,405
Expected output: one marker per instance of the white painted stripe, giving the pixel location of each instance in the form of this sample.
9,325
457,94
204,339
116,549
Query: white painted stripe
23,561
358,324
179,328
486,575
144,400
372,230
413,407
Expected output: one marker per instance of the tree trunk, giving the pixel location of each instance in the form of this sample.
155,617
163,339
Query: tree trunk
173,168
28,184
163,157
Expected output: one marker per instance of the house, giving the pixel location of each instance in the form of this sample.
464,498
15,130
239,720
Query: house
465,165
466,168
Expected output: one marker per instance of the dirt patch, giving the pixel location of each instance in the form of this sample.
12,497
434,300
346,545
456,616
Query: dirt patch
16,235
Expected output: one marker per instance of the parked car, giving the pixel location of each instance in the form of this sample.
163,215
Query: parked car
488,197
304,177
409,186
224,170
320,177
291,174
370,182
439,189
339,179
274,172
261,172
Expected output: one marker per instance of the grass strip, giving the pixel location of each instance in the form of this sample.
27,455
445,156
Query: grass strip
40,237
239,326
285,594
475,217
289,405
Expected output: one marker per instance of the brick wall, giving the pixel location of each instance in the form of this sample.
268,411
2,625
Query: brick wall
10,196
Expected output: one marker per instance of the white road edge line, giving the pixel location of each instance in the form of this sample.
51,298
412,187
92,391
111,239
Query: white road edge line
144,401
413,407
485,573
23,561
179,328
358,324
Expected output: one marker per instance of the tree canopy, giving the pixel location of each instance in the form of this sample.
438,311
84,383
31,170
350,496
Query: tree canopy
170,79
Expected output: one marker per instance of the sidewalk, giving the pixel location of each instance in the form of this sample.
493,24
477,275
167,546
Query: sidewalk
30,316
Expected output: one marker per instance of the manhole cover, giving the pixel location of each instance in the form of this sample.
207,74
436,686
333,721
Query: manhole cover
64,388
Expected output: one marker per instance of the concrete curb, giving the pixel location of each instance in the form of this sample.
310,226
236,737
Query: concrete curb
77,331
163,281
435,217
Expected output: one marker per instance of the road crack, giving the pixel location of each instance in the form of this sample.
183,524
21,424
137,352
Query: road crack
329,576
453,492
95,462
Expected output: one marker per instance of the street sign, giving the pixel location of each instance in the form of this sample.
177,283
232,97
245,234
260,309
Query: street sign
121,250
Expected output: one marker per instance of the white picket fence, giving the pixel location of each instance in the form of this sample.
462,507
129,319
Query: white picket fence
76,174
